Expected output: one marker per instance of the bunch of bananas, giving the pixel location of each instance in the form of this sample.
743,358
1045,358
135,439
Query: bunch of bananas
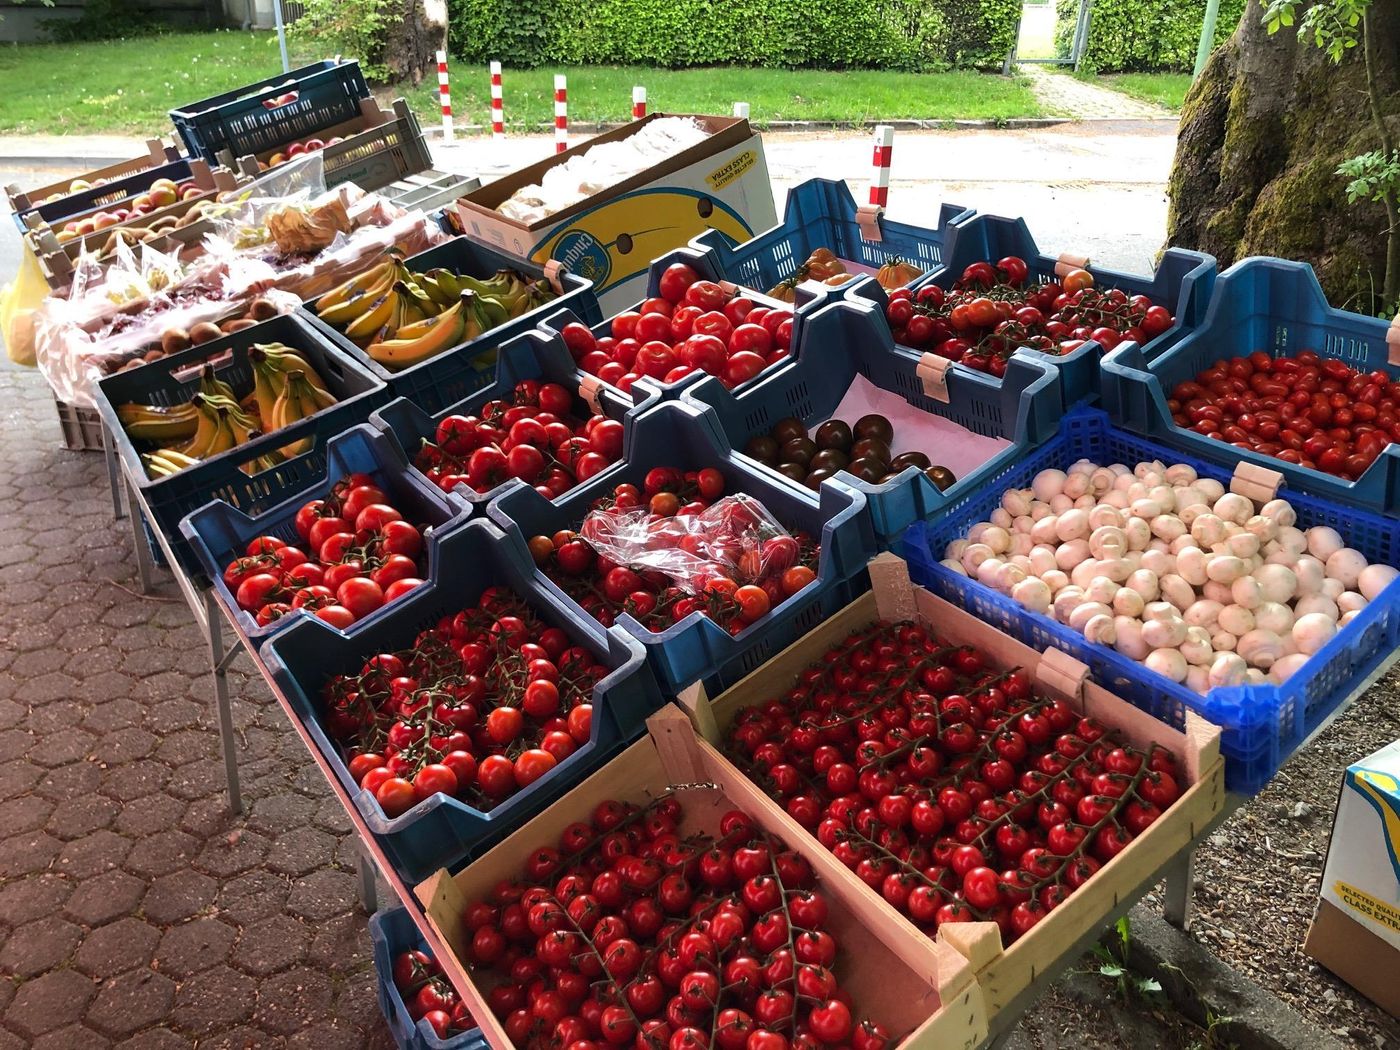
401,318
285,389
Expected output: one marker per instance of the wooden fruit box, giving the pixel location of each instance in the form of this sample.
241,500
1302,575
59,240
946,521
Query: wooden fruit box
379,149
157,153
1002,973
57,258
921,990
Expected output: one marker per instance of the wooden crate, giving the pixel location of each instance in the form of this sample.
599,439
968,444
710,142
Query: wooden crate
921,990
157,153
1003,973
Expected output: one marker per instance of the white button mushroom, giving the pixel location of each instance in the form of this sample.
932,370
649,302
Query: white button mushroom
1046,530
1085,611
1312,631
1316,603
1260,648
1066,600
1165,633
1227,669
1159,562
1310,573
1048,483
1061,503
1202,613
1196,649
1167,527
1332,588
1235,619
1286,667
1032,593
1211,489
1243,544
1277,582
1167,662
1100,630
1129,638
1076,485
987,570
1281,511
1346,565
1374,579
1347,617
954,565
1108,541
1139,533
1247,592
1233,507
1274,616
1208,530
1180,474
1054,579
1351,601
1198,680
1224,568
1176,591
1223,642
955,549
1021,543
1218,592
1146,583
1016,502
1101,589
1071,554
1323,542
1082,573
1128,602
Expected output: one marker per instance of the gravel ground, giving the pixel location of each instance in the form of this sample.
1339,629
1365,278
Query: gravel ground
1259,876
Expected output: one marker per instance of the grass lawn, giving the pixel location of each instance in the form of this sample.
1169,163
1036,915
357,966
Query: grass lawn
1165,89
129,87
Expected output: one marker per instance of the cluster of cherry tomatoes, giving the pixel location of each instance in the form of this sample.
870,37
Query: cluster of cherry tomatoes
628,935
767,569
357,554
429,996
483,704
947,787
1318,412
689,326
533,437
992,310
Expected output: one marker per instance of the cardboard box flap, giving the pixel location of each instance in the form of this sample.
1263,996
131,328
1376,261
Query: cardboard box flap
725,132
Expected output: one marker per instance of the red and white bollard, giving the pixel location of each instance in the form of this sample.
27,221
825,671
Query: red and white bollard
561,113
880,184
445,97
639,102
498,117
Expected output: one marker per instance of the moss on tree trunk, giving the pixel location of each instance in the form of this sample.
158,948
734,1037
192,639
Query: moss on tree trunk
1262,132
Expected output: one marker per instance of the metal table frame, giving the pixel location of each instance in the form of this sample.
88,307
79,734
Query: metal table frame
1177,873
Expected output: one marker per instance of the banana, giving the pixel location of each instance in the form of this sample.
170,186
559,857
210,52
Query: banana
212,386
354,289
224,439
267,382
298,401
205,432
373,319
158,423
284,359
441,333
425,326
492,312
443,286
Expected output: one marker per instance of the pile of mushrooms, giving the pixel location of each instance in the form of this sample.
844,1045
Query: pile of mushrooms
1172,571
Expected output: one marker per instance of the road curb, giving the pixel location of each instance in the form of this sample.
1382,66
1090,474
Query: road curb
1201,987
434,131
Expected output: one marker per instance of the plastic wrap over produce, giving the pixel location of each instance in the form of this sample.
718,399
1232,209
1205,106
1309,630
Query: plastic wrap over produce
601,166
734,538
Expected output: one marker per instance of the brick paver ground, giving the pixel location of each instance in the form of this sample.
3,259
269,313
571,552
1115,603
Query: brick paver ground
1067,96
135,911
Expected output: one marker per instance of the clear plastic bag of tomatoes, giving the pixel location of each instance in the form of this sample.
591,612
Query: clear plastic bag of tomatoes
735,537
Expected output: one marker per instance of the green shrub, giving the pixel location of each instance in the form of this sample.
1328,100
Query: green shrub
1143,35
348,27
106,20
912,35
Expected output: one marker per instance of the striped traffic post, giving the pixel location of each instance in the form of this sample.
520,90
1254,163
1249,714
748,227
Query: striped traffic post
498,117
445,97
639,102
561,113
880,185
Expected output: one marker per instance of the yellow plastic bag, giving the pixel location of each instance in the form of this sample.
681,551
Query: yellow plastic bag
18,301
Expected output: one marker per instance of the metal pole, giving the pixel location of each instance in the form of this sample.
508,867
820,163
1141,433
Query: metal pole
281,34
1081,38
1203,49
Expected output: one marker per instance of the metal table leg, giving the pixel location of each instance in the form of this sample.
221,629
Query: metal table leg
218,661
1179,890
365,878
114,478
141,546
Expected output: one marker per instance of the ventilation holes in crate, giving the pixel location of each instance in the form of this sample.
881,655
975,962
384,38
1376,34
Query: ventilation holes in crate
756,422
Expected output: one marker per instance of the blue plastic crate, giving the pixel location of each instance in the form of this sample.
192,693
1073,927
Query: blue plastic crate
695,649
174,379
540,355
848,339
391,933
1182,282
1262,725
821,213
116,192
441,831
448,377
219,533
1259,304
327,93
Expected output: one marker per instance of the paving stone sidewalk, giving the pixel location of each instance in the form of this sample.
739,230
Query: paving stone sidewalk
1067,96
135,911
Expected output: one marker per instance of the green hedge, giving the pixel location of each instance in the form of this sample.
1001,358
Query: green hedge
831,34
1144,35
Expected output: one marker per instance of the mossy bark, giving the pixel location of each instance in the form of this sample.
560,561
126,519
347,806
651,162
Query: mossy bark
410,49
1262,132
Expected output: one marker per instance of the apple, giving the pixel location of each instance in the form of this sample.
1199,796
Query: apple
276,159
79,185
104,219
296,149
162,196
164,184
85,227
121,214
65,235
312,145
189,193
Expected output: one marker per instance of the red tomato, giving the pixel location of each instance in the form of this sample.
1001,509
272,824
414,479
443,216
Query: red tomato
675,280
361,596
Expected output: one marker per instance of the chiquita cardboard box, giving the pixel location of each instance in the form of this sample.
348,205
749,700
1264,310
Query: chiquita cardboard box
1356,932
612,236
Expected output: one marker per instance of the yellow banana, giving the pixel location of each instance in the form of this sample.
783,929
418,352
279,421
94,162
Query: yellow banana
212,386
158,423
442,333
355,288
373,319
442,286
206,430
267,381
284,359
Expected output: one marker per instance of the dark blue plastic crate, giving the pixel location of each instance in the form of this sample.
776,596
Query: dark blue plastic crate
847,339
219,533
821,213
1262,725
696,648
160,383
391,933
1259,304
1182,282
327,93
540,355
73,205
441,831
706,265
448,377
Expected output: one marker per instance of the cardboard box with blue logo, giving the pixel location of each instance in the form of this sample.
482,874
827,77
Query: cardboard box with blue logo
612,236
1356,932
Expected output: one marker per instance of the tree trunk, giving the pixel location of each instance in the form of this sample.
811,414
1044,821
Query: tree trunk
1262,132
410,52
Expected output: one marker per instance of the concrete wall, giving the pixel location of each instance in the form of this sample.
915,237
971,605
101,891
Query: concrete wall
24,22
